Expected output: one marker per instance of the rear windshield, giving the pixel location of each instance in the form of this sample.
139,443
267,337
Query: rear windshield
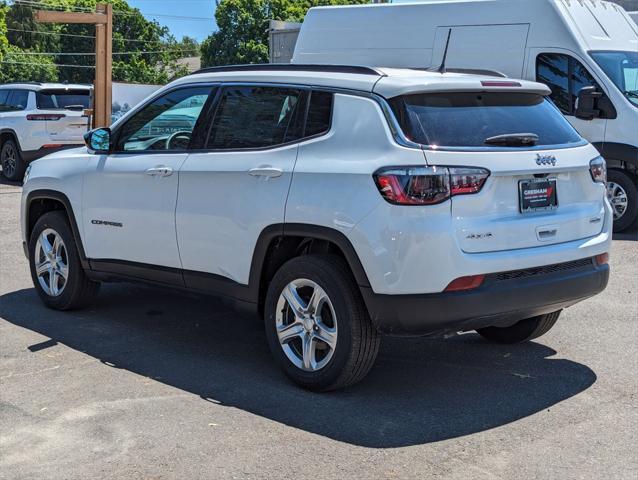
62,99
467,119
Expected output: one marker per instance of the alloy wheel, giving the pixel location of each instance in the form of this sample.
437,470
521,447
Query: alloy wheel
306,325
51,262
9,160
618,199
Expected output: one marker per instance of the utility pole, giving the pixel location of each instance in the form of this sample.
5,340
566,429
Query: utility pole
102,86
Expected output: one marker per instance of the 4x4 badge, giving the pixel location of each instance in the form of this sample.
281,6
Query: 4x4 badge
545,159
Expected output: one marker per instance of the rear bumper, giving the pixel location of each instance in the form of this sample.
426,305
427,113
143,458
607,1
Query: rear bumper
502,300
29,156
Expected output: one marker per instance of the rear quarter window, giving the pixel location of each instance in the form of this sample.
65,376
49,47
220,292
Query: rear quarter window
467,119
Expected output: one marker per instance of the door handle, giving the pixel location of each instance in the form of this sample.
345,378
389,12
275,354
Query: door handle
160,171
266,171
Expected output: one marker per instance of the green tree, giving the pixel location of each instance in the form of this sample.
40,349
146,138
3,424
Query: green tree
143,50
243,28
16,66
4,43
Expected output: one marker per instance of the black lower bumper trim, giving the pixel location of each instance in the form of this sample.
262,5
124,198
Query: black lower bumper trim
495,303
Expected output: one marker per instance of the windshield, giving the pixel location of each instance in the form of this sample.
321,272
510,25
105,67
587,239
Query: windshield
622,70
473,119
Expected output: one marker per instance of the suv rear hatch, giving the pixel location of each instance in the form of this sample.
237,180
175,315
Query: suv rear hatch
539,191
63,110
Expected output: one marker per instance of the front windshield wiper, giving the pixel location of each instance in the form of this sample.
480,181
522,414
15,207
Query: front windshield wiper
631,93
513,139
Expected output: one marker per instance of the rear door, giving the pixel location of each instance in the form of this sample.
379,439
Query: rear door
238,186
534,196
64,110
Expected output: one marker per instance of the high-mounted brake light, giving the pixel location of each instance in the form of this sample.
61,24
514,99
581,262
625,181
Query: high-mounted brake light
42,117
598,170
428,185
499,83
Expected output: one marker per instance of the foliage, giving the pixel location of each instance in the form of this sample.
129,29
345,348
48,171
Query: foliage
144,51
19,67
3,30
243,28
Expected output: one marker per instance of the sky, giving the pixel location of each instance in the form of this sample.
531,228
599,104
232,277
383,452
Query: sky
198,28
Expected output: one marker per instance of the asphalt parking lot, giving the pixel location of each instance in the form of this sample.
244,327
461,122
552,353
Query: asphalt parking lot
158,385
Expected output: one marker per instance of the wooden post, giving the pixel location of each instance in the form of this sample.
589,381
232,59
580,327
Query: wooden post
102,86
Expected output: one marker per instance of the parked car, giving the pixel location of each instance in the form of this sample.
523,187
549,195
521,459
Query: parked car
338,202
568,45
37,119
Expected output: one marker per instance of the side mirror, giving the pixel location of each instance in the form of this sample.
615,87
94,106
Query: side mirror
98,140
587,103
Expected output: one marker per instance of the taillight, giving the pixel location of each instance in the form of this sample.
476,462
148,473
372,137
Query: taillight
41,117
598,170
428,185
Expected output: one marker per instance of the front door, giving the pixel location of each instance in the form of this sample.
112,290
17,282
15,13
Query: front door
130,195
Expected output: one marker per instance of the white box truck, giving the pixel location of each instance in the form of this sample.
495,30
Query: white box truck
566,44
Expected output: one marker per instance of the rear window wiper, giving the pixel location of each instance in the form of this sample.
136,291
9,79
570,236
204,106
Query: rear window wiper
75,107
513,139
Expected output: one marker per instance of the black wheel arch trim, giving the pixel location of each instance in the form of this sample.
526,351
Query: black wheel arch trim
618,151
45,194
14,134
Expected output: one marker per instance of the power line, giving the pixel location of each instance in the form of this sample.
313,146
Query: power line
9,62
115,38
123,13
72,54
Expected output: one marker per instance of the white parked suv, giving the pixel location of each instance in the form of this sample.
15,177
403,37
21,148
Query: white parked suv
37,119
340,203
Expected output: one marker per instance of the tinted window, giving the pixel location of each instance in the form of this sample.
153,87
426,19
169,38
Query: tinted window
13,100
60,99
552,69
4,94
319,113
255,117
166,123
565,76
468,119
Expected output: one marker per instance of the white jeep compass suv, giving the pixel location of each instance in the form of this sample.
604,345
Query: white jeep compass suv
340,203
37,119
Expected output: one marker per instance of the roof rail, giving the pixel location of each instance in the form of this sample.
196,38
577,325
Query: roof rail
21,83
293,67
477,71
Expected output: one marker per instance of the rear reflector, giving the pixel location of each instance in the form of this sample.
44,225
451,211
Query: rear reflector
602,259
52,145
499,83
42,117
465,283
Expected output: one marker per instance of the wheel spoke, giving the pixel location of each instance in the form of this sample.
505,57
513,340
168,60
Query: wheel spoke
63,270
326,334
45,244
308,344
294,300
317,298
58,245
43,267
288,332
53,282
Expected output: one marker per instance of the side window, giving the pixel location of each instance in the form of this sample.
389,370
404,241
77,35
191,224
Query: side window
166,123
4,95
319,113
255,117
18,99
565,76
552,69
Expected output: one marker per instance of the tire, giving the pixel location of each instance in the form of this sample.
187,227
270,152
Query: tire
343,320
76,290
13,166
523,331
619,183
